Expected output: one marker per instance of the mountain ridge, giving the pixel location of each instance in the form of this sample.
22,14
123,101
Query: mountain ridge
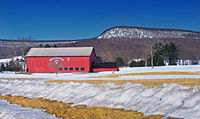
143,32
108,49
108,29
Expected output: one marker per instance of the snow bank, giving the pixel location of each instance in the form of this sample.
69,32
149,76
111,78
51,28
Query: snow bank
13,111
169,99
181,68
86,76
74,76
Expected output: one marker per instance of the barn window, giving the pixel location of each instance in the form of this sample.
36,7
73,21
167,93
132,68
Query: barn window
82,68
65,69
71,68
76,68
60,69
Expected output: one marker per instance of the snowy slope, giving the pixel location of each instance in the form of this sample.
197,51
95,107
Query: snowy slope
138,32
170,99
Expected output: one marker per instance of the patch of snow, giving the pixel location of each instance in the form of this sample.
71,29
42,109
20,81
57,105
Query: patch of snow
9,59
86,76
146,33
13,111
169,99
180,68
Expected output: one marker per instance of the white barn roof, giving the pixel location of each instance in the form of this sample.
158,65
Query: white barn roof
69,51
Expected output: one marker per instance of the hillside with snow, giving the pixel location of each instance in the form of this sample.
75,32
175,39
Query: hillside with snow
139,32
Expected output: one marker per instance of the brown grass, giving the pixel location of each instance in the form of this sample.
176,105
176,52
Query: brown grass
64,110
146,73
145,82
26,73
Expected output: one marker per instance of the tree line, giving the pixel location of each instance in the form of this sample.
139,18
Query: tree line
13,65
157,55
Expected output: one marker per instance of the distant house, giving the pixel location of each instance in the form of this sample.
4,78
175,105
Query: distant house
63,60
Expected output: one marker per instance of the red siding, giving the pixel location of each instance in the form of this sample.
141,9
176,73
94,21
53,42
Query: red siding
41,64
44,64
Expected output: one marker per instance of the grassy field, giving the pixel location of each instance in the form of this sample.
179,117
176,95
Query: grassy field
65,111
145,82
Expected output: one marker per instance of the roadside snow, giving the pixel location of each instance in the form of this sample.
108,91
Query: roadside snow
169,99
155,77
86,76
12,111
181,68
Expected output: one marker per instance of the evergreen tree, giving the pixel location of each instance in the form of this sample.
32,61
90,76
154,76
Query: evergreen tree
158,60
47,46
158,56
137,64
120,61
171,53
40,45
13,66
55,46
2,67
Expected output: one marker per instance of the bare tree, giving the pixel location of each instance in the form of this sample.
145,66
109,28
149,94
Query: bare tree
24,44
149,52
14,48
152,54
146,56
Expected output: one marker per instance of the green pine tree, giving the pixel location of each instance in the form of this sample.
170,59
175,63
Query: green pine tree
120,61
171,53
2,67
158,56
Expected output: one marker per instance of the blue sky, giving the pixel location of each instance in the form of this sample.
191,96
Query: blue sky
79,19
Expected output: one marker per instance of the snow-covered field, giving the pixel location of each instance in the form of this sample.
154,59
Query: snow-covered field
8,111
86,76
169,99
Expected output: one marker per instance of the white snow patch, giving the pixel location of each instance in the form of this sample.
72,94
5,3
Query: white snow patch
86,76
13,111
169,99
9,59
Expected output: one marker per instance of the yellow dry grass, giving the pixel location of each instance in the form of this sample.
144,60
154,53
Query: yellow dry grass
26,73
64,110
145,82
146,73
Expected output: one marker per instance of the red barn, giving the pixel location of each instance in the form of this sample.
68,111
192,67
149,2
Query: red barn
63,60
